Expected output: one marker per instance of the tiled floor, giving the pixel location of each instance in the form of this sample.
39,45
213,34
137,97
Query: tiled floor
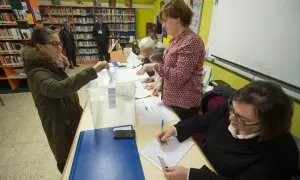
24,150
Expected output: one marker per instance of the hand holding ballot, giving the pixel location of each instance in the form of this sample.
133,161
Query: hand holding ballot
146,68
101,65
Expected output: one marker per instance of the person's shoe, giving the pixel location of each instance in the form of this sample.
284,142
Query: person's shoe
76,65
71,67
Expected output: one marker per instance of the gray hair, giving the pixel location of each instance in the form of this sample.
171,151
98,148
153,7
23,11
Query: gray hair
157,55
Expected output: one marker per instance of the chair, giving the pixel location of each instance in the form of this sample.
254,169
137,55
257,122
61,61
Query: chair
212,99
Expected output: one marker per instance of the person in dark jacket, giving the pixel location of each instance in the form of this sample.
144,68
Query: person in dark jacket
247,139
101,34
69,46
54,93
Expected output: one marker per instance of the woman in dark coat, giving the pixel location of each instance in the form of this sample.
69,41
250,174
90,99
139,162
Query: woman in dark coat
54,93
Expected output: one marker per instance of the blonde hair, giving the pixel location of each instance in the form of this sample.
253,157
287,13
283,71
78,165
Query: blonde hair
147,42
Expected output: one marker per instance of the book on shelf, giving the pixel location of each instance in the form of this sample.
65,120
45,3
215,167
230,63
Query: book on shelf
11,33
26,33
84,36
82,11
88,51
37,14
24,5
8,47
20,14
87,44
7,18
4,4
12,61
84,28
58,20
59,11
84,20
88,57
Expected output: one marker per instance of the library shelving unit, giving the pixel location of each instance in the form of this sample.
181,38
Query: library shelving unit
121,23
16,26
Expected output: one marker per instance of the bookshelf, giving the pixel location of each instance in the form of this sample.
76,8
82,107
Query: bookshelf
16,26
121,23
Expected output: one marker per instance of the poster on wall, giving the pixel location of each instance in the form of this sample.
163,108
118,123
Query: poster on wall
196,6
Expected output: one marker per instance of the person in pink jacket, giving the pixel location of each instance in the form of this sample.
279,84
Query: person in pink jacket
183,62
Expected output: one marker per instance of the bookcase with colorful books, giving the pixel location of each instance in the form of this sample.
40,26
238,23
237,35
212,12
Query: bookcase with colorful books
16,26
121,23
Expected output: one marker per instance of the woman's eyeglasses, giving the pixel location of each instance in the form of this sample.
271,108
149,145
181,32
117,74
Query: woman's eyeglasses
55,44
238,117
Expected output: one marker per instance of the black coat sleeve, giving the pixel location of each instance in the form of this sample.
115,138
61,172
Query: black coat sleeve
260,171
95,30
199,123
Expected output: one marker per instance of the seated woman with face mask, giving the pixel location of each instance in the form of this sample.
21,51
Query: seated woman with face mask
247,139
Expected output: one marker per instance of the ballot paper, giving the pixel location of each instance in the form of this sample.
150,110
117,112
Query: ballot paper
171,152
141,92
132,59
151,110
111,88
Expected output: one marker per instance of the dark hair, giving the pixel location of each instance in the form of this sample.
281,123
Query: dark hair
157,55
177,9
54,27
152,35
271,105
40,36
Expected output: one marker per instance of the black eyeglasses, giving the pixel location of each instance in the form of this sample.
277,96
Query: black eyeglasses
239,117
55,43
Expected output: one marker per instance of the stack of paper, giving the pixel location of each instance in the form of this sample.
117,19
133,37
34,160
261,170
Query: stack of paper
151,110
171,152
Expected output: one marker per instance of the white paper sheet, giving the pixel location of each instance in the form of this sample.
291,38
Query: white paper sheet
171,152
151,110
141,92
132,59
139,77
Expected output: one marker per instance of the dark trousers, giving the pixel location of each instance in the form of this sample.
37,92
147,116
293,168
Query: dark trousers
103,54
61,166
183,113
71,55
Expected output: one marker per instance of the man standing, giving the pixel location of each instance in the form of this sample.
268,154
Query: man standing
101,34
69,47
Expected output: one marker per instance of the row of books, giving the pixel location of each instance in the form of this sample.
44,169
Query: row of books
121,27
119,19
12,61
88,51
58,11
87,57
8,47
86,11
15,33
7,18
84,36
56,20
83,28
4,4
87,44
84,20
20,14
115,11
82,11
